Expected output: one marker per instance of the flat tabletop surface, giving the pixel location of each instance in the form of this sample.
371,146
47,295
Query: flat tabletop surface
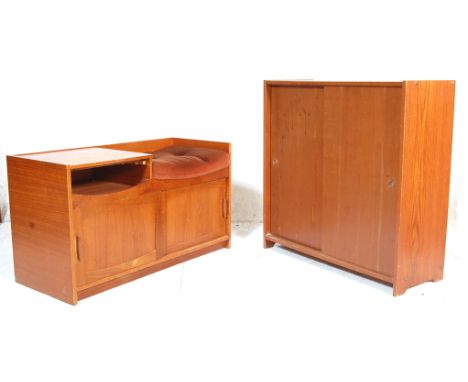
398,84
87,157
332,83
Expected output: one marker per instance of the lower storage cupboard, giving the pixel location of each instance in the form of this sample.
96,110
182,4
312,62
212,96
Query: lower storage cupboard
85,220
114,235
357,174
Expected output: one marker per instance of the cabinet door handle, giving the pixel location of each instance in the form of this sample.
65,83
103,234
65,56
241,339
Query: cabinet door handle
225,208
77,248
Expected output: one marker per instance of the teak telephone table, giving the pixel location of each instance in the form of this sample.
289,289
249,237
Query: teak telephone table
85,220
357,174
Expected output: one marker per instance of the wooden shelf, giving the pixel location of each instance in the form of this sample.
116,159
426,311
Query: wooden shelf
98,187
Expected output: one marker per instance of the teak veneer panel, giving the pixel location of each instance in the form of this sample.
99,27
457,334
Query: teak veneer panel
87,157
427,144
42,239
195,214
361,162
329,259
158,144
158,265
296,131
357,174
115,236
309,83
99,187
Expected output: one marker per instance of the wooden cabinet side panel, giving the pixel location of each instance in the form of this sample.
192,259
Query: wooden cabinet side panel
40,222
266,163
229,198
296,128
426,156
361,140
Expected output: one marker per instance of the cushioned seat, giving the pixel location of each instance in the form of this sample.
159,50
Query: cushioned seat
182,162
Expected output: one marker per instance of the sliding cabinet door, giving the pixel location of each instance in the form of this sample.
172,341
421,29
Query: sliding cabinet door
296,163
195,214
114,236
361,162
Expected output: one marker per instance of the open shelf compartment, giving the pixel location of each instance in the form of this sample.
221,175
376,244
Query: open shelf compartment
110,178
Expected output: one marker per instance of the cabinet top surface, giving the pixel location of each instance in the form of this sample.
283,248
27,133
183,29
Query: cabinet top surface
344,83
330,83
87,157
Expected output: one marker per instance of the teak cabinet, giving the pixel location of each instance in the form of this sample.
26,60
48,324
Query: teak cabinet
85,220
357,174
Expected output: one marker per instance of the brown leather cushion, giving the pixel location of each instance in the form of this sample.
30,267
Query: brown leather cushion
181,162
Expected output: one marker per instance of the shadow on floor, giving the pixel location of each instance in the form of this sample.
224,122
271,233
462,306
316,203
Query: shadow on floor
297,256
6,252
244,229
246,209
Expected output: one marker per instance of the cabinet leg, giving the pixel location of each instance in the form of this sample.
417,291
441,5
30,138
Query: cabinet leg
267,243
439,275
398,289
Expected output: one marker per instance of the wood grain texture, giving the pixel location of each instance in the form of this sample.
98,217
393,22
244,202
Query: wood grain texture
267,165
99,187
147,146
228,216
96,218
361,162
40,214
384,153
195,214
141,146
87,157
319,255
311,83
154,267
426,144
127,173
169,184
296,164
158,144
224,146
115,236
90,195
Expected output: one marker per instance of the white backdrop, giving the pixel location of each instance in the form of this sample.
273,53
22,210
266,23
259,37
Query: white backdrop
78,73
